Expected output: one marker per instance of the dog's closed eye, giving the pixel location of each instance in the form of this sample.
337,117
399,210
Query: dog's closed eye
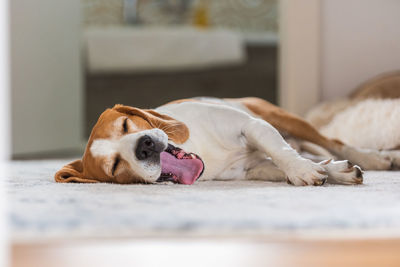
125,125
115,165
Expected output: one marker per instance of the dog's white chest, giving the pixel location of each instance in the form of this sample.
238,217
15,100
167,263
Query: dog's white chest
221,146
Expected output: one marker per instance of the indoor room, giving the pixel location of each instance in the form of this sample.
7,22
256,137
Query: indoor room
209,133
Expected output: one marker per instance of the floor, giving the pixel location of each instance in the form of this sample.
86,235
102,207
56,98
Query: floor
206,252
213,223
41,208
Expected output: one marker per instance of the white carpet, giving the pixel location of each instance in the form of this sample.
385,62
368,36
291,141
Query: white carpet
41,208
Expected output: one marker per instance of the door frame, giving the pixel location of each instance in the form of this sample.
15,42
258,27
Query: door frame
299,54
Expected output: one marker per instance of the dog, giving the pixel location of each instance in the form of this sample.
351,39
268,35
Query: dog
346,117
209,138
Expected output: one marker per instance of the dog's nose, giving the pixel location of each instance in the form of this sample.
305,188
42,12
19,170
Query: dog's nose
146,147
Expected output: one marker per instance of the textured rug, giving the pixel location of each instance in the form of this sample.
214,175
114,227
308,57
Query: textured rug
41,209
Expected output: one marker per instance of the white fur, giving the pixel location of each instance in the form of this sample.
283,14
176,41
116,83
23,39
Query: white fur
373,123
233,144
342,172
108,149
230,141
103,147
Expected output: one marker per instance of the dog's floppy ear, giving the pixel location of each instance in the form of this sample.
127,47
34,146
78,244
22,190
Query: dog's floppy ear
72,173
177,131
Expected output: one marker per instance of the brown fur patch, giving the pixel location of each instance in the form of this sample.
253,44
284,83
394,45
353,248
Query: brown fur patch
177,131
89,170
287,122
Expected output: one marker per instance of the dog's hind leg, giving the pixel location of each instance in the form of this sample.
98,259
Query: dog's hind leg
266,139
339,172
295,126
315,150
265,170
395,156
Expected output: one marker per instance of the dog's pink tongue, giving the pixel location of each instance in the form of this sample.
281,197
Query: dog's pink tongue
185,170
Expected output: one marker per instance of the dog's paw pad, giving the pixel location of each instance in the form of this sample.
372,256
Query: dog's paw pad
307,173
320,182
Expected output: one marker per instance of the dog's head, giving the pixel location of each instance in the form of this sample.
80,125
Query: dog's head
130,145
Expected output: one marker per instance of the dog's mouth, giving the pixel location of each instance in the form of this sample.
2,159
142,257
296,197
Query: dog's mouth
177,166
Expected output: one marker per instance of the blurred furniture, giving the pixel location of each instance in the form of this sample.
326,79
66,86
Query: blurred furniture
255,76
153,49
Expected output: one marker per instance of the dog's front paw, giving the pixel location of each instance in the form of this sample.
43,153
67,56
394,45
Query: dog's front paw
343,172
305,172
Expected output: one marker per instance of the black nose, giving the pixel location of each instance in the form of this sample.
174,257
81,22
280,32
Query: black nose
146,148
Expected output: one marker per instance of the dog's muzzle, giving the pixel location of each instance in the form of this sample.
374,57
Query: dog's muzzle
147,148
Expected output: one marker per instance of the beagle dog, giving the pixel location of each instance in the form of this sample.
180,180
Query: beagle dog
212,138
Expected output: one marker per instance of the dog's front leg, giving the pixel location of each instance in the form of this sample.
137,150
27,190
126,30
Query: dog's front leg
299,171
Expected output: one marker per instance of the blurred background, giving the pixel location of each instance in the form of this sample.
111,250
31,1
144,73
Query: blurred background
70,60
73,59
62,63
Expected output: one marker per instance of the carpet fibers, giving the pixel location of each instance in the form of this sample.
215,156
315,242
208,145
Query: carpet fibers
41,209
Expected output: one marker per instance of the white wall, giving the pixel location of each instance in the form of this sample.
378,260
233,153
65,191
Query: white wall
4,124
360,39
46,75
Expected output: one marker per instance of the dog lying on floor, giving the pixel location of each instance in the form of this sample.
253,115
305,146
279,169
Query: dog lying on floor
214,138
346,117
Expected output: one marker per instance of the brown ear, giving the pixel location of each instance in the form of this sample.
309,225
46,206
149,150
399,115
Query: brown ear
72,173
177,131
